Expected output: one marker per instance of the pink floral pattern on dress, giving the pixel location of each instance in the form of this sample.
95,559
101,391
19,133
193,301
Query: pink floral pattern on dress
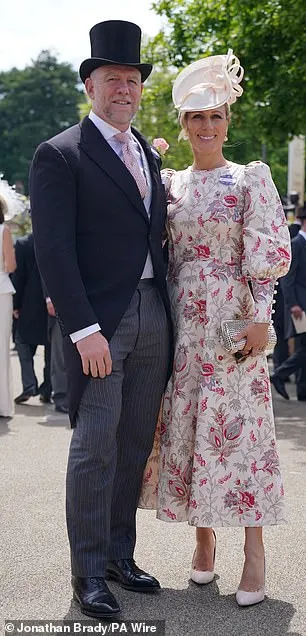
214,461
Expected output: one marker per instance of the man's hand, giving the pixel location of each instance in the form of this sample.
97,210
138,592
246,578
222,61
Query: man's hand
257,338
50,308
95,355
296,311
16,313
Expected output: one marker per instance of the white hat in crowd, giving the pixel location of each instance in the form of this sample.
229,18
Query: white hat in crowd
208,83
11,201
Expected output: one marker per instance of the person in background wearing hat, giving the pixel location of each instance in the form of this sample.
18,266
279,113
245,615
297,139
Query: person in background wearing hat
295,226
98,210
226,226
7,266
294,292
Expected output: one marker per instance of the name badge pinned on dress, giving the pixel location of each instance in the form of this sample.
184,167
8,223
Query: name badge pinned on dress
227,179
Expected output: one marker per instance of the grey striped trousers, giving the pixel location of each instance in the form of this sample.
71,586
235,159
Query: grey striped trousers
113,438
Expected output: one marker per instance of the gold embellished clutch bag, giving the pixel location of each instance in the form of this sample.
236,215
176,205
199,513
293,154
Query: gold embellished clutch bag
231,328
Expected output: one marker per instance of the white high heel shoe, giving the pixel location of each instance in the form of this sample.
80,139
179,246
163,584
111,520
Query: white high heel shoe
202,577
251,598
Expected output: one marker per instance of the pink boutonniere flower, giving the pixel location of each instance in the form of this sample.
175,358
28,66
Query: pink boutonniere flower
160,145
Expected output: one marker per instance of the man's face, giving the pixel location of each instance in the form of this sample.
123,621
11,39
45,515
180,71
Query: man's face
115,92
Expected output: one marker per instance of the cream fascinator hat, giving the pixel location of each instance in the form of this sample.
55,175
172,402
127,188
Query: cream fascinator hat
208,83
10,201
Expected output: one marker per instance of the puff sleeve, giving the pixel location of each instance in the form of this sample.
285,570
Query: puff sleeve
266,252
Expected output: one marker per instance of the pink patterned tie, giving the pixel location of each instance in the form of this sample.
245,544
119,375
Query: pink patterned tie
129,159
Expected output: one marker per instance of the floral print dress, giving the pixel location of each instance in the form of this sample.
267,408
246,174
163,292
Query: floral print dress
214,461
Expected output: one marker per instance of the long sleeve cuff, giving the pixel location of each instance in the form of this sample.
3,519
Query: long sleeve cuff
263,292
82,333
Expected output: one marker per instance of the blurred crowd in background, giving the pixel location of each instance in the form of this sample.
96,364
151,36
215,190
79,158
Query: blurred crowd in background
27,315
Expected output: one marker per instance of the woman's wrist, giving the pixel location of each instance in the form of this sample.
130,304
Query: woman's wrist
262,322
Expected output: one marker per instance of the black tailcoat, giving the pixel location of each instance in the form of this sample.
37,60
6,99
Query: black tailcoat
92,234
294,229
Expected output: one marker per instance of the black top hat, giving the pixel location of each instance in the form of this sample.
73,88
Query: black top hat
294,197
115,42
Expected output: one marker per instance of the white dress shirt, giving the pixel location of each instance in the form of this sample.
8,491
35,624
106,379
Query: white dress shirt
108,133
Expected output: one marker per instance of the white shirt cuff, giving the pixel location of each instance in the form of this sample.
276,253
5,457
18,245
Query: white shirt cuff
82,333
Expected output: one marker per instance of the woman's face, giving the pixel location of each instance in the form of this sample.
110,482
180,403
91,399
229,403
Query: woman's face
207,130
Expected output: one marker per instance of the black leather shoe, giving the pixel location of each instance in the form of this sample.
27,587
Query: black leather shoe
23,397
279,386
130,577
61,408
94,597
45,399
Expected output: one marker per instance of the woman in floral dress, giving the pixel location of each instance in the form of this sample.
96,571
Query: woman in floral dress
218,463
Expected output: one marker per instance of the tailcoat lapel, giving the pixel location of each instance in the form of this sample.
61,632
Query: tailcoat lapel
95,146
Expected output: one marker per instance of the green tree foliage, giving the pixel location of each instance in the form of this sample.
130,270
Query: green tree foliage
268,37
35,104
84,109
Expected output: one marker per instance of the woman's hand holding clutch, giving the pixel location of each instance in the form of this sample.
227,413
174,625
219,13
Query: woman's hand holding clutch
256,335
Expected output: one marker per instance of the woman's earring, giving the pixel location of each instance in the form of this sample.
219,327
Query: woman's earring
226,138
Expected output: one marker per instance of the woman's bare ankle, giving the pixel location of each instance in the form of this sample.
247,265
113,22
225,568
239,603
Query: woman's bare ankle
254,551
203,558
204,536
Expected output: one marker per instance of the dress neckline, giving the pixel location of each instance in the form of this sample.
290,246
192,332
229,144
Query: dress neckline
227,166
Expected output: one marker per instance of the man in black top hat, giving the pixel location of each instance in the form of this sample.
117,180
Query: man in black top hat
295,226
98,210
294,292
